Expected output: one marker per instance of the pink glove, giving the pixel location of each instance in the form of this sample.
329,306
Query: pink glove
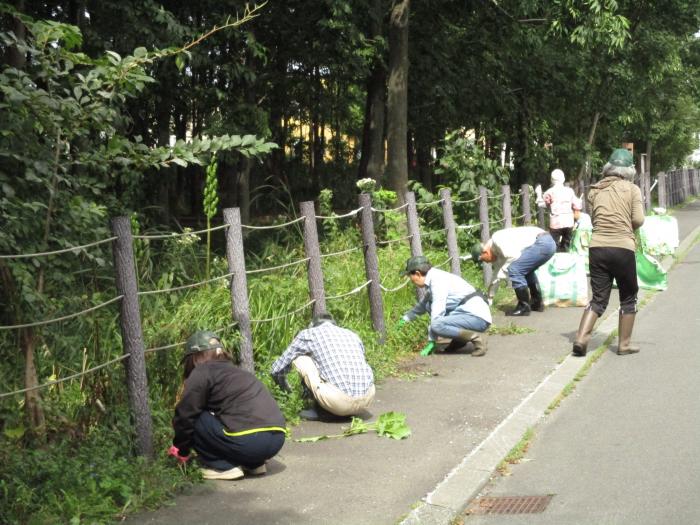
175,452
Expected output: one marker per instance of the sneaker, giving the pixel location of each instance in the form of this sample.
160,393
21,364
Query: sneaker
234,473
257,471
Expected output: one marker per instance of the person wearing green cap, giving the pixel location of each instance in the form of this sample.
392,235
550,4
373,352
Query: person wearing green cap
224,413
616,212
457,310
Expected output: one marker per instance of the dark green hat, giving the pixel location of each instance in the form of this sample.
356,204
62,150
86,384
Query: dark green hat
320,318
200,341
419,262
621,158
476,252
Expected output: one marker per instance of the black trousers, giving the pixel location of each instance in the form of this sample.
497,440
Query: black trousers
607,264
561,236
221,452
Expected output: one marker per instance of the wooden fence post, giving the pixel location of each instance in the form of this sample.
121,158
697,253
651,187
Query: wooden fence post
485,232
449,221
525,203
661,192
540,217
313,252
507,215
240,308
646,183
132,335
374,290
414,231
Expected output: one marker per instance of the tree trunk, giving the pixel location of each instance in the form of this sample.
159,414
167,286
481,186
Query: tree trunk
14,57
32,401
584,173
243,188
372,153
425,171
397,99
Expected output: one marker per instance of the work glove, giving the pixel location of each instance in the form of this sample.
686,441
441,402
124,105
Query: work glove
175,452
427,349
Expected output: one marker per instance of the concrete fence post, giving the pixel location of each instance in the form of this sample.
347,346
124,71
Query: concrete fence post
507,214
313,253
485,231
369,245
414,231
525,203
240,308
449,221
132,335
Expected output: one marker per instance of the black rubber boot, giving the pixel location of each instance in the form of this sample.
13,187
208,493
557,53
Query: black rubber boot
523,306
536,302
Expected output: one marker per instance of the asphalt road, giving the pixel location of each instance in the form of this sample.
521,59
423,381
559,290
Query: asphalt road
625,447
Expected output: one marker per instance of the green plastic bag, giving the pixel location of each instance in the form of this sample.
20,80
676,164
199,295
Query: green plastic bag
650,273
563,280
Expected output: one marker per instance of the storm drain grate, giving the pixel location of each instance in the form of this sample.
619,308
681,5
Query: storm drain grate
509,505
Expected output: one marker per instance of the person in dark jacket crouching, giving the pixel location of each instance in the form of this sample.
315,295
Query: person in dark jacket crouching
225,414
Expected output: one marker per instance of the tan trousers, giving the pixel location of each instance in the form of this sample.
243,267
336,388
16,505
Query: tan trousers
329,396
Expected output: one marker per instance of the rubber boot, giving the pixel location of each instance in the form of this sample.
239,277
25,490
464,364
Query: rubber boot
585,329
457,343
479,341
624,332
536,302
523,306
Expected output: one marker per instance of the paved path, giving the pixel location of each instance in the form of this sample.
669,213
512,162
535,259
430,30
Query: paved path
466,413
625,449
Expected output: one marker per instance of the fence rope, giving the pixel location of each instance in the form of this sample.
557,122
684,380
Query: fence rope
433,231
56,252
332,217
443,263
432,203
68,378
65,317
246,226
340,252
260,270
495,196
497,221
185,286
351,292
174,235
288,314
388,290
467,201
468,226
378,210
174,345
394,240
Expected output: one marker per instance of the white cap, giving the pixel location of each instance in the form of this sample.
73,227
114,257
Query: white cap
557,176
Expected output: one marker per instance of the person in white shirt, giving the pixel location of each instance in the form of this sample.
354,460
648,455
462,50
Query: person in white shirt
516,253
562,201
458,311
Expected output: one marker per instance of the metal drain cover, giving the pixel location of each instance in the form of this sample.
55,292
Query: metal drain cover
509,505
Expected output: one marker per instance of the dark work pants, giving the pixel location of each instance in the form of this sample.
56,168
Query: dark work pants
221,452
562,236
607,264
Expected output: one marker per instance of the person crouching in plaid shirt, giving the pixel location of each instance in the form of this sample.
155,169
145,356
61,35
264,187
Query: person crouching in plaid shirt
331,362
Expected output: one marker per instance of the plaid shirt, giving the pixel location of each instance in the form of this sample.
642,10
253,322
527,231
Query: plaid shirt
338,353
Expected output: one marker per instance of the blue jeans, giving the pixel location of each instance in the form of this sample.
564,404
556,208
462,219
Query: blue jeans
221,452
450,325
522,270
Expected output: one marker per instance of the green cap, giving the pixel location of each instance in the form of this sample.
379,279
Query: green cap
476,252
200,341
621,158
419,262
